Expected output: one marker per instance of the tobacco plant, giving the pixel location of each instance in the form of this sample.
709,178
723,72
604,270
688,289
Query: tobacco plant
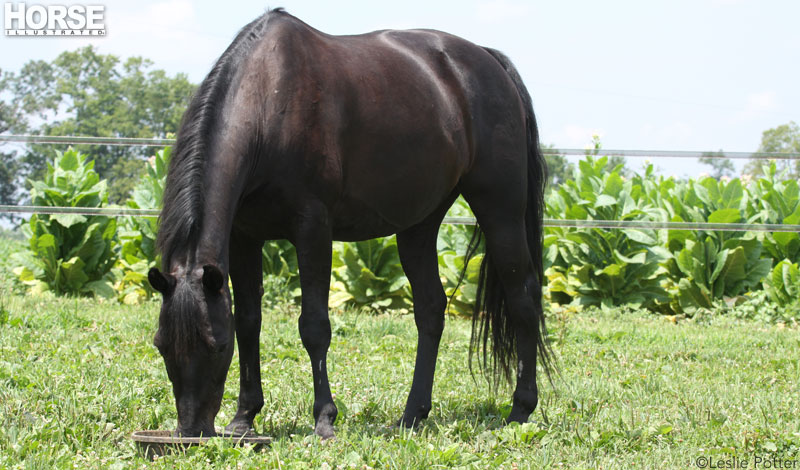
783,285
138,234
598,266
776,200
368,274
69,253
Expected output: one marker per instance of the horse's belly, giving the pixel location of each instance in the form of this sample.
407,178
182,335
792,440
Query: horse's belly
388,211
363,227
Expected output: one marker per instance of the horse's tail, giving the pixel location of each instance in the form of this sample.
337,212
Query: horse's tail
491,316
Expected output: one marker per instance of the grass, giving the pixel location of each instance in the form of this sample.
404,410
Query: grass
77,377
10,242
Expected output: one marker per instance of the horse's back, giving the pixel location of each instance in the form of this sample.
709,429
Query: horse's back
380,126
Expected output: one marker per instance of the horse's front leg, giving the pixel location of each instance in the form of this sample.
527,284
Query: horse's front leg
417,247
245,272
312,239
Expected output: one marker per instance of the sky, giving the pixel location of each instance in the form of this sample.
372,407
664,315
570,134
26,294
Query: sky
654,75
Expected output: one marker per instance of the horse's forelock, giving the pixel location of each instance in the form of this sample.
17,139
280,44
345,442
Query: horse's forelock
182,321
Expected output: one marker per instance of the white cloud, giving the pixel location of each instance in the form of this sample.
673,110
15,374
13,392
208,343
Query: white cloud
757,105
763,101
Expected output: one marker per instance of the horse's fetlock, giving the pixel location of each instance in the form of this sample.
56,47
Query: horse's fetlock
326,412
526,399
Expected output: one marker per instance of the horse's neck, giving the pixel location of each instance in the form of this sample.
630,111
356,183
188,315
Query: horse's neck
224,181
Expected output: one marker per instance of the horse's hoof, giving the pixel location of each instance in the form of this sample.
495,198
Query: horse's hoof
325,419
324,430
238,429
409,422
517,418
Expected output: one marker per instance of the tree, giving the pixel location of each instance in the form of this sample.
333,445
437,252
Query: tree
721,167
86,93
559,169
10,121
782,139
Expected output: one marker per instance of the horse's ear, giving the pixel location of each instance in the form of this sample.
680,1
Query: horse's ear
163,283
212,278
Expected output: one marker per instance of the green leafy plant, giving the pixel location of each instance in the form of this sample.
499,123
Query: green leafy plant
713,269
452,247
10,242
69,253
599,266
783,284
708,266
461,296
368,273
699,201
279,261
138,234
776,200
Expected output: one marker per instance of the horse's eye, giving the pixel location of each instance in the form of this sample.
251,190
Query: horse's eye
158,342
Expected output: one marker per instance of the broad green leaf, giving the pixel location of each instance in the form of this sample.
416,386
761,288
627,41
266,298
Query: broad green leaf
785,238
639,236
732,193
685,260
68,220
794,218
576,212
660,253
719,265
73,277
702,194
612,270
725,216
100,288
735,265
604,200
69,161
45,242
133,298
613,185
637,258
24,274
790,275
756,273
693,295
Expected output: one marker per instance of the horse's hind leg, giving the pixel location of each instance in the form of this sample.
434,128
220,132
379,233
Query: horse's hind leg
417,249
313,239
245,271
501,217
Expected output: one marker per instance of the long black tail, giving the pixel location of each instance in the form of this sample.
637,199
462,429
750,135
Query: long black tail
490,317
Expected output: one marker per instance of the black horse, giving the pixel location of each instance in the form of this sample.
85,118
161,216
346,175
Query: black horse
300,135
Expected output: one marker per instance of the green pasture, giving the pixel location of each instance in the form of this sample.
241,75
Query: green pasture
78,376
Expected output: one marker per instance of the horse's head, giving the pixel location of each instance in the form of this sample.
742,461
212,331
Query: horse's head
195,338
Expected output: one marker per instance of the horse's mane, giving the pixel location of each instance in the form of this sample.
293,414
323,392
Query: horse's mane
182,214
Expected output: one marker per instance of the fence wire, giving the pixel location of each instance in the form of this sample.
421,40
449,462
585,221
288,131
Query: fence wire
565,223
82,140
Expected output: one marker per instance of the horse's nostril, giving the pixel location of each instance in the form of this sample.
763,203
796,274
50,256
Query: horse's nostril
220,347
